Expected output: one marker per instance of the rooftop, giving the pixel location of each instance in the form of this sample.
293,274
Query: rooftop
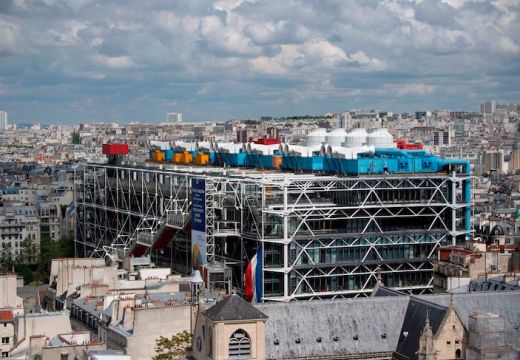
234,308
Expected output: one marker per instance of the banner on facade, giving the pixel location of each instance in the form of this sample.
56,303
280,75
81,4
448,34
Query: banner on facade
198,222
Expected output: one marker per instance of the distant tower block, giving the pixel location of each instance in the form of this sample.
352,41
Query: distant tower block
174,117
3,120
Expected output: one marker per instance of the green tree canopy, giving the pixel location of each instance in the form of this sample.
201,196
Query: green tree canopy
172,348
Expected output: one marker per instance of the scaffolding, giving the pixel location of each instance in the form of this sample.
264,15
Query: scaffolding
488,338
321,236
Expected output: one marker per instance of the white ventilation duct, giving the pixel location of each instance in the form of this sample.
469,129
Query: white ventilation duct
229,147
160,145
303,151
356,138
316,137
336,137
262,149
381,138
349,153
204,145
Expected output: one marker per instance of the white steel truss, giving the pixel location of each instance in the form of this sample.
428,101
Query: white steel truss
322,236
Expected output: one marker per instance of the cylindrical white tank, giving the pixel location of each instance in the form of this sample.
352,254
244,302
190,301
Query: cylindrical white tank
336,137
316,137
356,138
381,138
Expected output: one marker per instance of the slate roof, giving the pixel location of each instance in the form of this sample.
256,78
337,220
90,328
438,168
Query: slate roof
381,290
504,303
233,308
333,327
413,324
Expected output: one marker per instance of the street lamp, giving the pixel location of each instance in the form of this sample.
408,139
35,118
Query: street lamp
196,284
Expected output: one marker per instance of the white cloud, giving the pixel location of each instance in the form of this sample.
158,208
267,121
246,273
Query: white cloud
204,89
66,36
227,5
224,39
114,62
313,55
9,34
454,3
509,45
272,48
96,42
413,89
373,63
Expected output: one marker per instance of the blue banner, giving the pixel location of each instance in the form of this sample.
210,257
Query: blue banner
198,222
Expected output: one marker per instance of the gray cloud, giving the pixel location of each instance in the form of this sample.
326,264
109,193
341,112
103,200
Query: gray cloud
79,60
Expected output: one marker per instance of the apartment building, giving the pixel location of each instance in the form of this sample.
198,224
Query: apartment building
49,215
18,223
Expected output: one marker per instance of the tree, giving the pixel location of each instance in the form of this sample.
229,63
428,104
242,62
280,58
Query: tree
6,257
66,246
28,252
75,138
25,271
48,250
172,348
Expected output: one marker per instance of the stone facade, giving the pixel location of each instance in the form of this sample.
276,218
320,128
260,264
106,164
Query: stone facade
450,339
215,338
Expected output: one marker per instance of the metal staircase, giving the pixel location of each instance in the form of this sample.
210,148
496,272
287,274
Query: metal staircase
148,230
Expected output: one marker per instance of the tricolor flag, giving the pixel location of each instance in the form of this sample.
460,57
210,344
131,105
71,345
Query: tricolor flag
254,278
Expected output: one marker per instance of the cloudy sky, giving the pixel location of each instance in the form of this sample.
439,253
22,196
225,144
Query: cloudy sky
71,61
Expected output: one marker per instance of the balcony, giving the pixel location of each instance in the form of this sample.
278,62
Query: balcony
227,228
177,220
145,238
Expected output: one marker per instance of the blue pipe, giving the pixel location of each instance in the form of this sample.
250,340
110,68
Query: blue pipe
392,152
466,190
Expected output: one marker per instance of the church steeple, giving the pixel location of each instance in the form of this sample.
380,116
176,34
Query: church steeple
426,349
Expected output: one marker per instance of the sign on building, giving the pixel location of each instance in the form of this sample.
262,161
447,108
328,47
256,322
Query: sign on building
198,222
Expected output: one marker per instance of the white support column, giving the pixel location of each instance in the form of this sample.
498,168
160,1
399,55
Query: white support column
285,241
454,208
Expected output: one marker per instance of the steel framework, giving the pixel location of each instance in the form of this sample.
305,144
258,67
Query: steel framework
322,236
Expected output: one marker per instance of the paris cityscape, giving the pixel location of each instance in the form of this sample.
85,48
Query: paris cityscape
253,179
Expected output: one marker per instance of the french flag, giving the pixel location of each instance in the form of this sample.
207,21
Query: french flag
254,278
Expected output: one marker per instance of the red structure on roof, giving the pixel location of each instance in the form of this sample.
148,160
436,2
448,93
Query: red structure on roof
6,315
115,149
267,141
403,145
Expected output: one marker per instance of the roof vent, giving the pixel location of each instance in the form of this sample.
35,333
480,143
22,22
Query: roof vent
276,342
335,338
298,340
318,339
355,337
383,336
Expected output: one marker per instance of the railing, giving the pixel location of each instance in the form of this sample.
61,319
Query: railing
145,238
227,228
177,220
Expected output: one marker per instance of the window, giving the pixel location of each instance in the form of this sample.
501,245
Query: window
458,354
239,344
448,342
5,354
5,340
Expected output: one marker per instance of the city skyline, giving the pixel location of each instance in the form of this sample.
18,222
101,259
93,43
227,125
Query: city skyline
85,60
